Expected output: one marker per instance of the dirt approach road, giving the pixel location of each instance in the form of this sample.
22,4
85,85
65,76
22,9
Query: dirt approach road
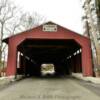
47,89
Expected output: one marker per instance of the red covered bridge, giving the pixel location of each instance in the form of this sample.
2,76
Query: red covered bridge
48,43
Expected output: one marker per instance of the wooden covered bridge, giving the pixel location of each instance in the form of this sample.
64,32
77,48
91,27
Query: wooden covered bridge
48,43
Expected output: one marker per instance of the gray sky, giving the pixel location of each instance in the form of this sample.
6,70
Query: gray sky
64,12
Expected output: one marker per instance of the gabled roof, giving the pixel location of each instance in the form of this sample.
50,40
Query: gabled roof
36,28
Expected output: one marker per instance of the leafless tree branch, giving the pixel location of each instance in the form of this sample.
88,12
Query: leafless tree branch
12,21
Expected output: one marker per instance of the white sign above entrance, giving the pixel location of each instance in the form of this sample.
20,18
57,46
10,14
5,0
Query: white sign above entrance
50,28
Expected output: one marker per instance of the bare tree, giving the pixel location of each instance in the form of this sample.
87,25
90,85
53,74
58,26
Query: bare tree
6,13
28,21
35,20
13,21
98,15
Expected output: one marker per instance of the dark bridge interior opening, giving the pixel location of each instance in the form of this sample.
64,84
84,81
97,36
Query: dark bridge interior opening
64,54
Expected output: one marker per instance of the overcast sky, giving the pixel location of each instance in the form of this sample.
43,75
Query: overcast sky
64,12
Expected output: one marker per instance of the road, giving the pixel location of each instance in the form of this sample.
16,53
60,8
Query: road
48,89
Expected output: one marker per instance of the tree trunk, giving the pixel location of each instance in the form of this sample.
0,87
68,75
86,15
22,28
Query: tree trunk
1,44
